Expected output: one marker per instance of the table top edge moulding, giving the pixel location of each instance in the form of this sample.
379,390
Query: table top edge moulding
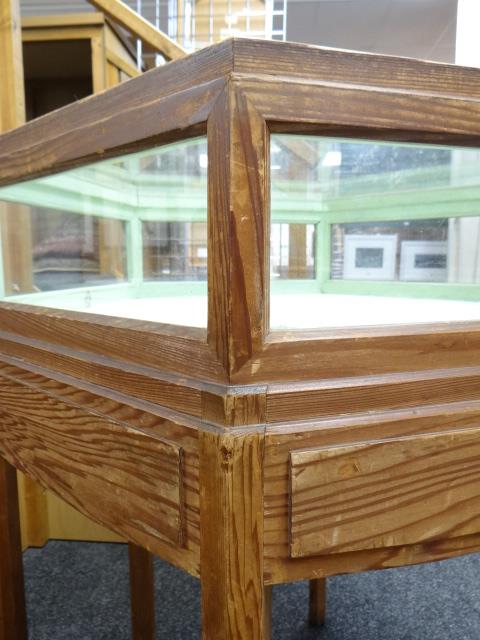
230,67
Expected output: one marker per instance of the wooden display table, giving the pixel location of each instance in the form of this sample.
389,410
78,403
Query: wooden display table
245,452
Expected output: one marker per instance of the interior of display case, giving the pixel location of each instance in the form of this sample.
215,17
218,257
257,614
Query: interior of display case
366,232
125,237
362,233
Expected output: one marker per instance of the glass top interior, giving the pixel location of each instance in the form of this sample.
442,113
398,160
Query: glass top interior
362,233
125,237
371,233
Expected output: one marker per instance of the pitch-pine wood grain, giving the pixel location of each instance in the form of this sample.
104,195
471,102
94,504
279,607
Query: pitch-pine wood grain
139,416
143,382
237,228
385,494
15,236
363,352
178,350
279,566
125,117
280,60
217,415
291,401
13,619
419,116
235,407
231,555
122,477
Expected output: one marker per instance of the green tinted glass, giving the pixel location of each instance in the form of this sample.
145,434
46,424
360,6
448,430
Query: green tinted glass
123,237
369,233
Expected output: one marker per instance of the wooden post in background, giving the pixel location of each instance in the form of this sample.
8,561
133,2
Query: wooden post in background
15,220
12,94
297,251
12,114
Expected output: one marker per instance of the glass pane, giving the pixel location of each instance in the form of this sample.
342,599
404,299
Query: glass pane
385,233
99,236
292,254
175,250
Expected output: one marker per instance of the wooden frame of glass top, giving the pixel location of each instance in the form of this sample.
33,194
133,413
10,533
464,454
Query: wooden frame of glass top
245,456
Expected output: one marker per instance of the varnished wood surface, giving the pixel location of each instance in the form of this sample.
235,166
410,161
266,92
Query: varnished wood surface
231,407
421,117
124,118
418,423
386,97
384,493
142,593
217,416
13,618
144,383
231,555
307,400
124,477
295,60
180,350
125,412
317,602
364,352
279,571
237,258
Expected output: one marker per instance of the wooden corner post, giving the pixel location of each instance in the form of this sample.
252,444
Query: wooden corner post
238,229
235,602
231,529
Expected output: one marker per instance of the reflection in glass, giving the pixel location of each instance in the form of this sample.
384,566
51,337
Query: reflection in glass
292,253
175,250
124,237
395,228
71,250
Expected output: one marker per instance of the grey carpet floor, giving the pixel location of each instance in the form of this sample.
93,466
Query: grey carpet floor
79,591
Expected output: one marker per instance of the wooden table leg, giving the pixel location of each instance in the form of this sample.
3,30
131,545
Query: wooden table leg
13,619
231,537
267,612
317,604
142,592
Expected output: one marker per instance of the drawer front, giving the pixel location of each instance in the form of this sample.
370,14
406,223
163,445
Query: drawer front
382,494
